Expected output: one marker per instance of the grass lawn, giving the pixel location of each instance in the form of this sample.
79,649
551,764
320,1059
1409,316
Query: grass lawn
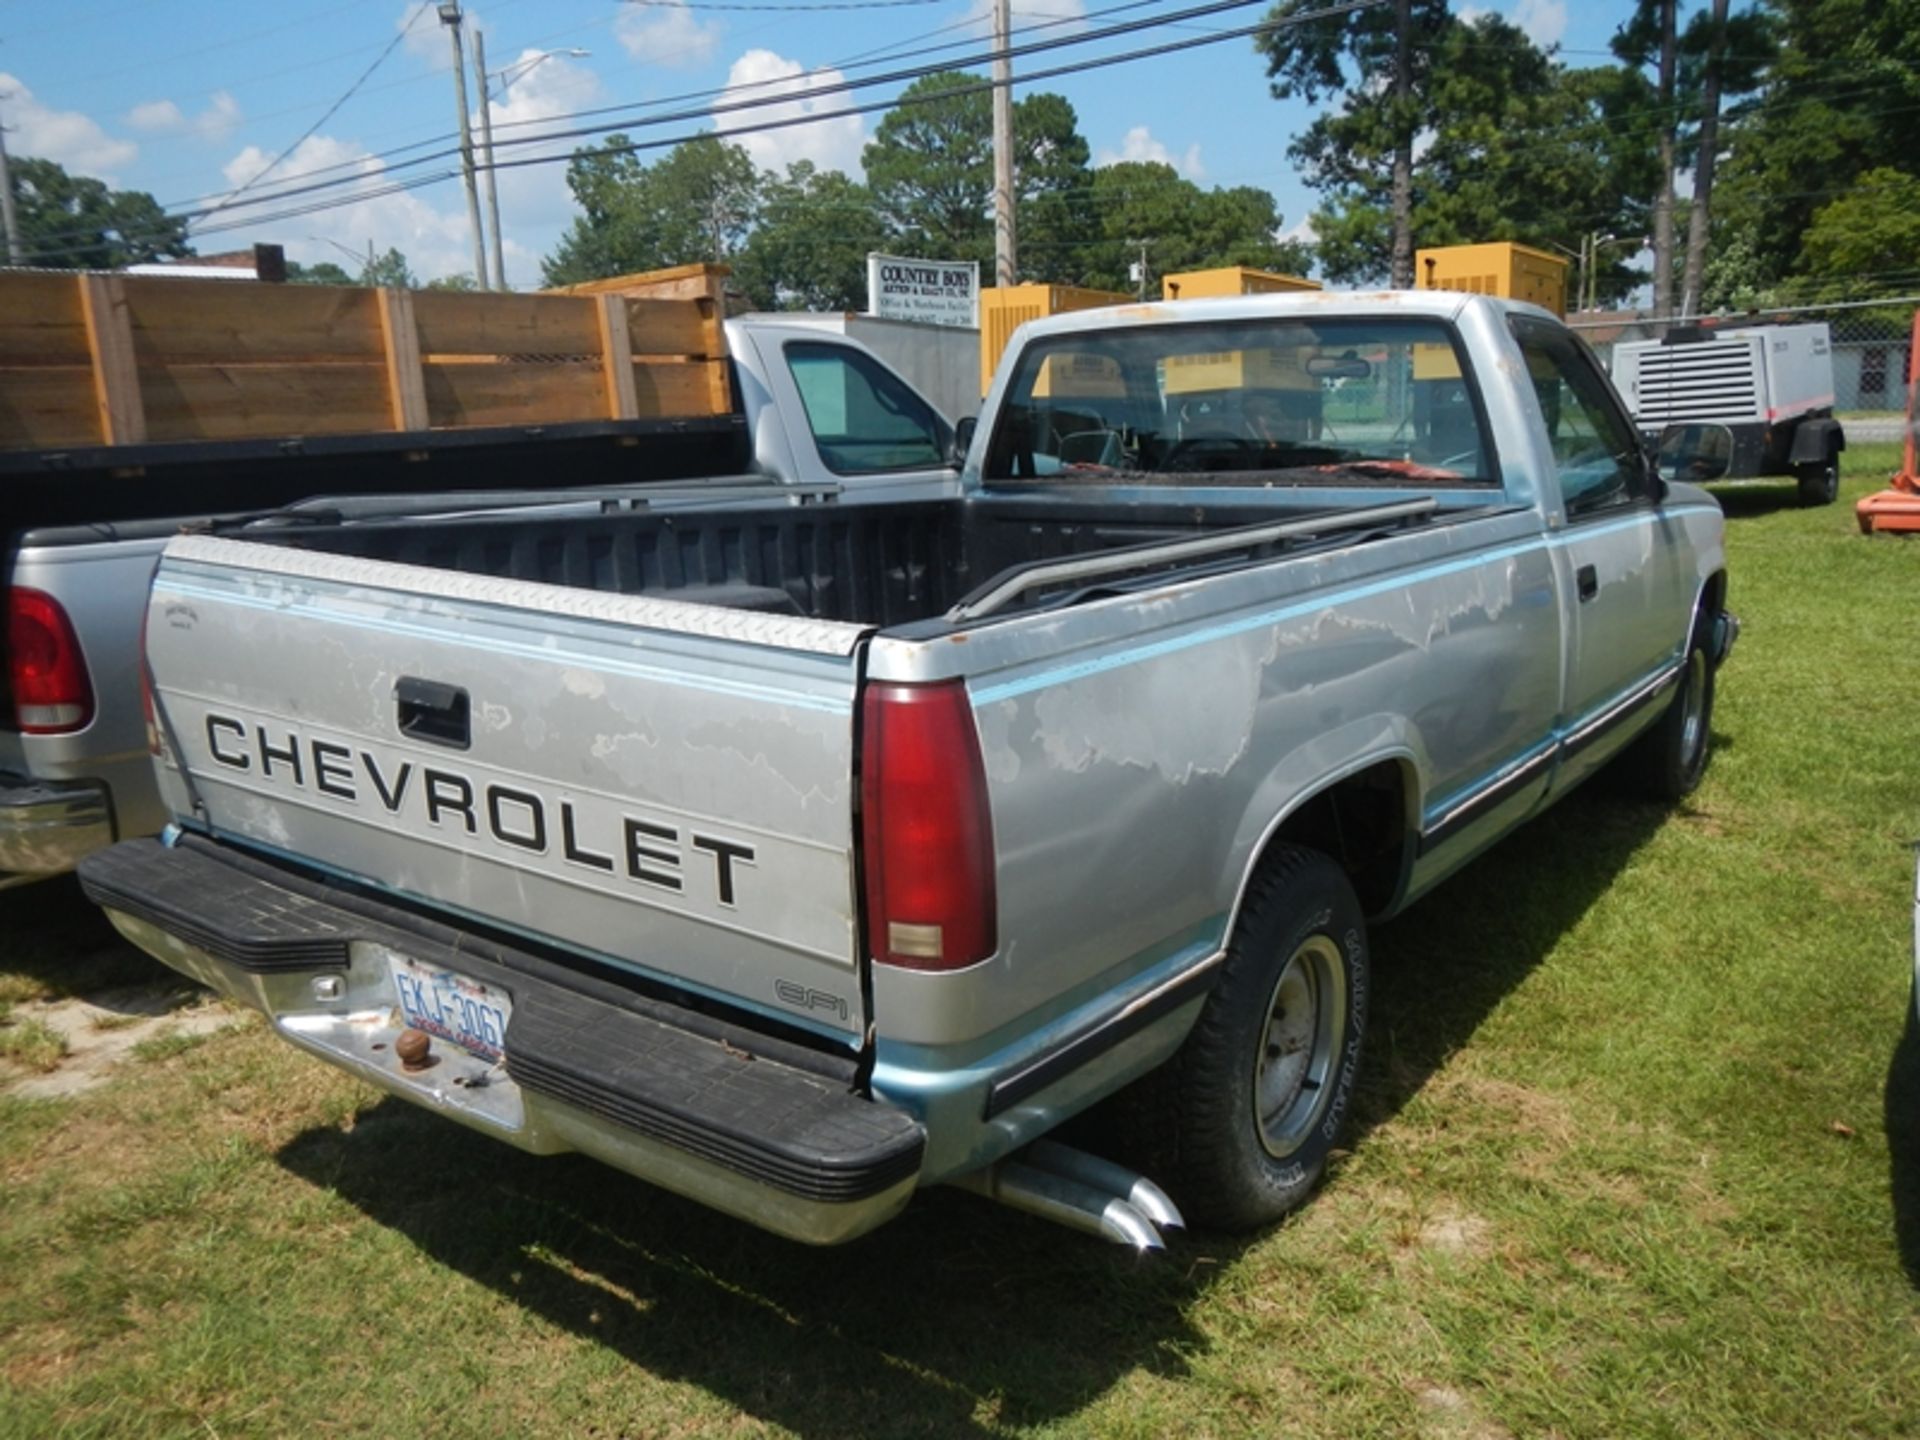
1638,1155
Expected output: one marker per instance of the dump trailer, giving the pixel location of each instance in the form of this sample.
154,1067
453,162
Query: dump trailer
1770,387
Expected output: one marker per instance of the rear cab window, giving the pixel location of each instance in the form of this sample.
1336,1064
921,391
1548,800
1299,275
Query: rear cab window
1274,401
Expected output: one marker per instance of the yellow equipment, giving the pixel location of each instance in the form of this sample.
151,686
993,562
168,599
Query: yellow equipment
1515,272
1229,280
1005,308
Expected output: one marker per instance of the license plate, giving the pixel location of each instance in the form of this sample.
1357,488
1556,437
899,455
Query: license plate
452,1006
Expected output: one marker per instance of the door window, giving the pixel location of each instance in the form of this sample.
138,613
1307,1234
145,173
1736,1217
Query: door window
864,419
1596,450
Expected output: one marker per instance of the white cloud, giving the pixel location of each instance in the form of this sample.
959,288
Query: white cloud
1301,230
666,33
163,117
432,232
833,144
435,242
1140,146
1545,21
66,137
534,199
157,116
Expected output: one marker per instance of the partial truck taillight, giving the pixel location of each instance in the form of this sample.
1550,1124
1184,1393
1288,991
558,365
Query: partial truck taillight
46,673
926,827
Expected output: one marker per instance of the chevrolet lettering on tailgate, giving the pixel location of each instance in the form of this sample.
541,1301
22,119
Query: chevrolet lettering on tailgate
647,852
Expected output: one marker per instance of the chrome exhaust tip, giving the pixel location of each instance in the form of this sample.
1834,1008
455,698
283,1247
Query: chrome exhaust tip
1082,1192
1138,1191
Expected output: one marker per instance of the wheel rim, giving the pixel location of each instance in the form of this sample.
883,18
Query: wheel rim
1693,719
1299,1046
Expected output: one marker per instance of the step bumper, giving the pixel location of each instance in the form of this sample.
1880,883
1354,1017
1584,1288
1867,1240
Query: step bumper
750,1124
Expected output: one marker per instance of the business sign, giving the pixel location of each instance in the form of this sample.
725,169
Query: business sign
934,292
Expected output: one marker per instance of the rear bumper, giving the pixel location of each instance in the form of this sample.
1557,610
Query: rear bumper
749,1124
46,827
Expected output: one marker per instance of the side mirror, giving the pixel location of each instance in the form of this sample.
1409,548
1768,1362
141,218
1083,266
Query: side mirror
1694,451
962,441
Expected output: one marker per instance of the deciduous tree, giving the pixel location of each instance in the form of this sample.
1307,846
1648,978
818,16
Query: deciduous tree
698,202
74,222
930,168
809,251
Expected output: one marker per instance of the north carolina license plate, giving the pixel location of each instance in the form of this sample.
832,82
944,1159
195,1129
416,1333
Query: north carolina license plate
452,1006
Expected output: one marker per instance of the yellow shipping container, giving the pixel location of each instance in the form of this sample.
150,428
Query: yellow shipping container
1230,280
1503,268
1515,272
1005,308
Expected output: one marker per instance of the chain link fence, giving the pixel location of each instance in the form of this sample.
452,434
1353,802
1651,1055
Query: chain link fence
1871,355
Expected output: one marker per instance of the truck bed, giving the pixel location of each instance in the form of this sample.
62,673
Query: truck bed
894,565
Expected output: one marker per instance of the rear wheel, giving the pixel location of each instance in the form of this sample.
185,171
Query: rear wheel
1820,481
1240,1123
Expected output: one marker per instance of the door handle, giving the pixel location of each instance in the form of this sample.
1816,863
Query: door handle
437,713
1587,579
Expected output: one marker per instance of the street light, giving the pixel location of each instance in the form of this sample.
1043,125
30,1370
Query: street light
527,64
519,70
450,16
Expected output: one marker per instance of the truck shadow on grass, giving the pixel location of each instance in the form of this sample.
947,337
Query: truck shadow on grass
1442,967
1750,499
1902,1121
960,1317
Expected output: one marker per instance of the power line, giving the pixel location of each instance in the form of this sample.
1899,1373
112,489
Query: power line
444,137
788,96
1126,57
331,110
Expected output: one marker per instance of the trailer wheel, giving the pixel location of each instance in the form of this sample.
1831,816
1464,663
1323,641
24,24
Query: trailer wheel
1242,1120
1820,480
1668,761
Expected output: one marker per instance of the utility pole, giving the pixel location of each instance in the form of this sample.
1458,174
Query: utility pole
493,188
8,219
1005,270
451,17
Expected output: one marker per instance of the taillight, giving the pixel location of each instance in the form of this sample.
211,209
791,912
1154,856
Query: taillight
46,673
926,827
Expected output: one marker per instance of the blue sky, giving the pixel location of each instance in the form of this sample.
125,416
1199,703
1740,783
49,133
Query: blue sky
189,100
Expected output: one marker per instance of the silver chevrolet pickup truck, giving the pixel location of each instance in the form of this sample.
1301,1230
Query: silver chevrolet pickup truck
795,860
821,419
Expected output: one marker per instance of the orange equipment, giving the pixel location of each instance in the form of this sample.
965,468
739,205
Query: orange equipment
1897,510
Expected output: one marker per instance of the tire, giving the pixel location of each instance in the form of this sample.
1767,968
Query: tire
1820,481
1239,1124
1668,761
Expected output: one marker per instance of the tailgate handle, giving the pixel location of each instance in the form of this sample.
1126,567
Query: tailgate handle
434,712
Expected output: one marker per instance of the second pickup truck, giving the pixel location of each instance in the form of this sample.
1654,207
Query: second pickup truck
795,859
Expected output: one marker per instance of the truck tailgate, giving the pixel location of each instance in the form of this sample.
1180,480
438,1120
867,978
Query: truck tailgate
663,784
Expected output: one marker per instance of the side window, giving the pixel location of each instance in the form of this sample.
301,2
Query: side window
864,420
1596,450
